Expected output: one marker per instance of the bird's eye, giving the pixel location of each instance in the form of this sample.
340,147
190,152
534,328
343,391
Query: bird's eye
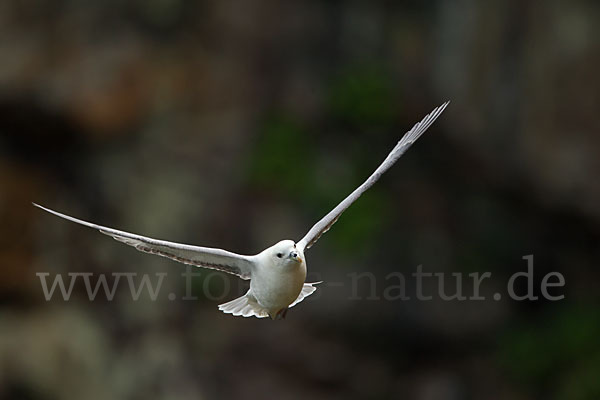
279,255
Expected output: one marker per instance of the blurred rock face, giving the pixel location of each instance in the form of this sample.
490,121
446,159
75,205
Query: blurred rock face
234,125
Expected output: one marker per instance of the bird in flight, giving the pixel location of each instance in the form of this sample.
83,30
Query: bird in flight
277,273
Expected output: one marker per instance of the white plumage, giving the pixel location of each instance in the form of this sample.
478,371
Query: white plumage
276,274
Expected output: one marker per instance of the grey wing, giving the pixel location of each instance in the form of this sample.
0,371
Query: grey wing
205,257
407,140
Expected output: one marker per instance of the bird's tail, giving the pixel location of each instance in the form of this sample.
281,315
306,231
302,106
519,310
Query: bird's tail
245,306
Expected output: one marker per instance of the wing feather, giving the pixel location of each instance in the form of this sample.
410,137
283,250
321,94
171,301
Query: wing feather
204,257
407,140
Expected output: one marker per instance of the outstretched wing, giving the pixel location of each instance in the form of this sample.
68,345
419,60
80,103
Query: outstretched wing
407,140
205,257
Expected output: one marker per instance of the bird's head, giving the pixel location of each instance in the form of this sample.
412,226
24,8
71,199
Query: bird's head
285,252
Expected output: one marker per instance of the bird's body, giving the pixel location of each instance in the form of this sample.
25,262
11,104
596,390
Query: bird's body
275,287
276,283
276,274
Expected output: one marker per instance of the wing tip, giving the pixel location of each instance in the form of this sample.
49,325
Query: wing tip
443,106
439,110
44,208
420,127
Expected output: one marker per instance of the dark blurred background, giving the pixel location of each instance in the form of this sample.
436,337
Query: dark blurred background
237,124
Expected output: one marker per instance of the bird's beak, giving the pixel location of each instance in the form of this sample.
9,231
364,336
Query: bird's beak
296,257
